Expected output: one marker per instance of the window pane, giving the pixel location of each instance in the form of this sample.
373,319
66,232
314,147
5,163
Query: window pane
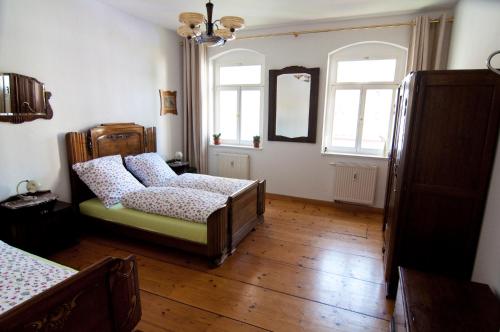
366,71
345,118
378,107
250,114
228,114
240,75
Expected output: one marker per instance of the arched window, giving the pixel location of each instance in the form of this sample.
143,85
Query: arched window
362,82
237,79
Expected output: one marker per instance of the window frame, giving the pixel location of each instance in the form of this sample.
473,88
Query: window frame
362,88
358,52
235,58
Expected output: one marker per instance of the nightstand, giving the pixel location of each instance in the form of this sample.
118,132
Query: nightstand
40,229
427,302
180,167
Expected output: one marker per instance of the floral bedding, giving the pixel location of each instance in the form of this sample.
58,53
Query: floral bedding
150,169
107,178
23,276
214,184
183,203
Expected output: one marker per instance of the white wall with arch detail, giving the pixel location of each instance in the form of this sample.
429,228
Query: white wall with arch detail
388,74
299,169
100,64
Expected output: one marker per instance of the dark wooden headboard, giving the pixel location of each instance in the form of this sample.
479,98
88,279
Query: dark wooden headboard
105,140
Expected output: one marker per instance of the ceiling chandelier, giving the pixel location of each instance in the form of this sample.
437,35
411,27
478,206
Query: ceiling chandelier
216,33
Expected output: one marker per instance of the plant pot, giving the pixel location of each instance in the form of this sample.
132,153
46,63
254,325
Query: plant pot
217,141
256,144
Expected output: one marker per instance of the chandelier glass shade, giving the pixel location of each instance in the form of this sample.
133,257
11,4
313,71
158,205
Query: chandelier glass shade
216,33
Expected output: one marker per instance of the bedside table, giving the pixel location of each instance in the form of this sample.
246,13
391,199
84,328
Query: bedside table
180,167
40,229
427,302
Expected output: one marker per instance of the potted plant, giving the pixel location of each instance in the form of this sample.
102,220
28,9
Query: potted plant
216,138
256,141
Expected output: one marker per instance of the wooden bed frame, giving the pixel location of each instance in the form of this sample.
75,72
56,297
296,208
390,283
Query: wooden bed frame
226,227
103,297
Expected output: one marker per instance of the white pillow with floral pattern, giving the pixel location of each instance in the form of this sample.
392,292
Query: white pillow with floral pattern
150,169
107,178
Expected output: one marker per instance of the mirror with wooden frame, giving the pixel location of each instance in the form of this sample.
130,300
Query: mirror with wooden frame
23,98
293,104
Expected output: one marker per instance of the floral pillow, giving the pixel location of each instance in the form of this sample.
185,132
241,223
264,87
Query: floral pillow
107,178
150,169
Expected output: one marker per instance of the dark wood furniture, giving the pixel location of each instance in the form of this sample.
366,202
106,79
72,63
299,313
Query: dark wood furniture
428,303
181,167
40,229
23,98
103,297
313,103
440,167
226,226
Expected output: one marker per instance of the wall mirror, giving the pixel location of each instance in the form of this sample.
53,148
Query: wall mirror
293,104
23,98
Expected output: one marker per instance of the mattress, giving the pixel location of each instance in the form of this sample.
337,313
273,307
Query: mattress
23,275
178,228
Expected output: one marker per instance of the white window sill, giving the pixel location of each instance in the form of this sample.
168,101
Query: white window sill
364,156
234,146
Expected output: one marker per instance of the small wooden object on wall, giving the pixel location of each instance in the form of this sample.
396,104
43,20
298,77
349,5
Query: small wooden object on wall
168,100
23,98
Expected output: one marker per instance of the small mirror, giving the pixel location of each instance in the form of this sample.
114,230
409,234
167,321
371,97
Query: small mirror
23,98
293,104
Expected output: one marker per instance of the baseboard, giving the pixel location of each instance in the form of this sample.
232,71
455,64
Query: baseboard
339,205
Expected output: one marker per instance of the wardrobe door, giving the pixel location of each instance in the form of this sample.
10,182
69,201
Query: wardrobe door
455,134
395,191
390,159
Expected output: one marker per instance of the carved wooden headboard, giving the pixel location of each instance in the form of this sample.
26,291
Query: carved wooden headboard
105,140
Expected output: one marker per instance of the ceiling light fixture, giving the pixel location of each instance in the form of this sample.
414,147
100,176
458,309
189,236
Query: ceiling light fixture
214,35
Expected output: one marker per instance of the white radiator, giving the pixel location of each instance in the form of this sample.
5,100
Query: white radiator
355,183
233,165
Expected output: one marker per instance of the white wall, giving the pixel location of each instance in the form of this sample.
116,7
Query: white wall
299,169
476,34
100,64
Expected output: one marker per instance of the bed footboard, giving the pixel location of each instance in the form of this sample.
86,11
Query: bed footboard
103,297
246,210
217,236
261,200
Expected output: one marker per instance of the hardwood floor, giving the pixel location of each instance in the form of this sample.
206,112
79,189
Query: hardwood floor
309,267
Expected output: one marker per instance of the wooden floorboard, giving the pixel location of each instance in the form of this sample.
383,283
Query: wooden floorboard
309,268
333,261
335,290
163,314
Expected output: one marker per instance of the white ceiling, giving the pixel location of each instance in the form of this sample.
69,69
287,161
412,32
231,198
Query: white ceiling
259,13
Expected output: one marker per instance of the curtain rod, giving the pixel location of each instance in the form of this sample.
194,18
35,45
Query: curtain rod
363,27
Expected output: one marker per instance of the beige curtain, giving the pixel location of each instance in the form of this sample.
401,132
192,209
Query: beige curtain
429,44
194,96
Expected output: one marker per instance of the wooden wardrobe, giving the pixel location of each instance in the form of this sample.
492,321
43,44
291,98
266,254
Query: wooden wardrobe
440,165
